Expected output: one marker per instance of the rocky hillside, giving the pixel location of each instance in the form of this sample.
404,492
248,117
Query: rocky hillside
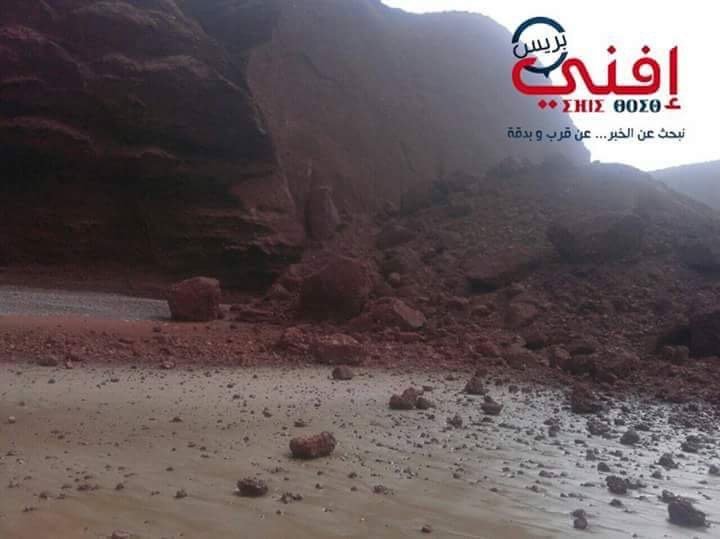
191,135
700,181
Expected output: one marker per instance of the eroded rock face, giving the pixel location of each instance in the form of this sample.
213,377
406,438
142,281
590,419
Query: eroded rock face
127,132
195,300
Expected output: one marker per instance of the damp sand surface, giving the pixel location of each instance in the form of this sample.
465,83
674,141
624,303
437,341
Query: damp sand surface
97,449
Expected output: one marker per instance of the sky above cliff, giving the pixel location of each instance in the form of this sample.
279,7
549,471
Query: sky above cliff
590,29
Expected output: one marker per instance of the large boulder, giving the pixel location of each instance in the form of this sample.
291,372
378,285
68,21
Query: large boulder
602,238
195,300
339,291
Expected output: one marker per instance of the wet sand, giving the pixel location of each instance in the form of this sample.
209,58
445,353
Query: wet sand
79,433
21,301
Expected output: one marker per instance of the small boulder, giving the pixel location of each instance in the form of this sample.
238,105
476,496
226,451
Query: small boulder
490,407
342,373
405,401
195,300
475,386
616,485
48,361
682,513
583,401
630,437
312,447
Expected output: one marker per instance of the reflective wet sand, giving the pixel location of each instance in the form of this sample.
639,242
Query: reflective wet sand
156,432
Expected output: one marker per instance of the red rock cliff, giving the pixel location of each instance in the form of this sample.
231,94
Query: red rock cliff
185,134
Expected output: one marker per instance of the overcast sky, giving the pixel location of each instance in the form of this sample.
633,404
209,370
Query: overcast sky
628,25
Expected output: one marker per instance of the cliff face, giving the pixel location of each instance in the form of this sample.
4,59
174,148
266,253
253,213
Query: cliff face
129,135
699,181
373,100
185,134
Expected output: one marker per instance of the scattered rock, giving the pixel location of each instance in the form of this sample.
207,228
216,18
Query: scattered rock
490,407
406,401
475,386
630,437
424,404
252,488
48,361
616,485
667,461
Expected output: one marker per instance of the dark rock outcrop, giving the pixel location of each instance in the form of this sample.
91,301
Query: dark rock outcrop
128,134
